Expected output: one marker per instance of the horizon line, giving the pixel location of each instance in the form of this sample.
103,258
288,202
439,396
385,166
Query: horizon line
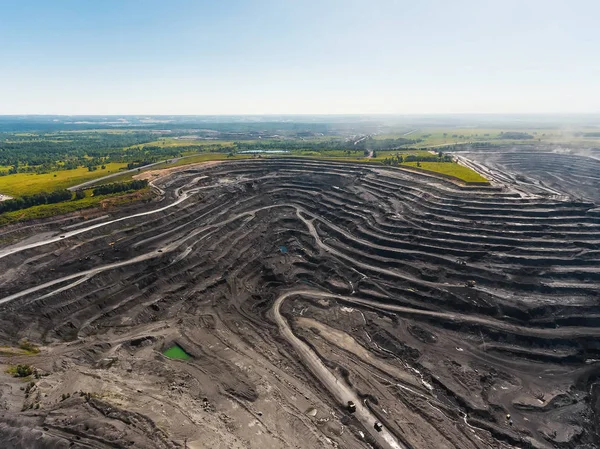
351,114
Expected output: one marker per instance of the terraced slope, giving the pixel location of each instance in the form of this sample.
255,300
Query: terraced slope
575,174
438,309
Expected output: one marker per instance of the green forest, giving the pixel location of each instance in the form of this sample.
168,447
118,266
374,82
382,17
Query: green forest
44,153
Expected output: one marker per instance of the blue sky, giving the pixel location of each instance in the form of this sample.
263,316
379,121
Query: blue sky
292,56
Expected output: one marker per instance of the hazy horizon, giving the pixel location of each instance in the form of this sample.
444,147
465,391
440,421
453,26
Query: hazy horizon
290,58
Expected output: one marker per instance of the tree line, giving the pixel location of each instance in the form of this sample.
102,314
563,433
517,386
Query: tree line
59,196
118,187
35,200
516,135
399,159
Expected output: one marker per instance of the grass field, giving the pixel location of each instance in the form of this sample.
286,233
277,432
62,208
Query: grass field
449,168
28,183
440,137
7,351
205,157
171,142
25,348
92,131
356,159
354,156
433,137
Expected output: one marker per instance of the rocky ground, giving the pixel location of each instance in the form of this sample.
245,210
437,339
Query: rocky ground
545,170
442,308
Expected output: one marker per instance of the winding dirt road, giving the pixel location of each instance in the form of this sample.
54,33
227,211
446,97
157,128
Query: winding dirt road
337,387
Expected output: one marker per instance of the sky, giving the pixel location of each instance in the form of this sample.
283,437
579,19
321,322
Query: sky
299,56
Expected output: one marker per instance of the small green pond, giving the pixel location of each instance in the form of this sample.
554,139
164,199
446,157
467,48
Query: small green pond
176,352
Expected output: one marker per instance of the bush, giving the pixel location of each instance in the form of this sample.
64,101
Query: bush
20,370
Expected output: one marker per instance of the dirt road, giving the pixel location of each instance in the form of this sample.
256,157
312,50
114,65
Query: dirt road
336,386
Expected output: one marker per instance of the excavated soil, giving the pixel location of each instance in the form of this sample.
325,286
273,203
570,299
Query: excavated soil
443,308
575,171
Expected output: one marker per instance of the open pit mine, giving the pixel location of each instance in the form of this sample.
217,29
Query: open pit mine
289,303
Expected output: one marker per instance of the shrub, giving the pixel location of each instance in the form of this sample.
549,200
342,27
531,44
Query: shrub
20,370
